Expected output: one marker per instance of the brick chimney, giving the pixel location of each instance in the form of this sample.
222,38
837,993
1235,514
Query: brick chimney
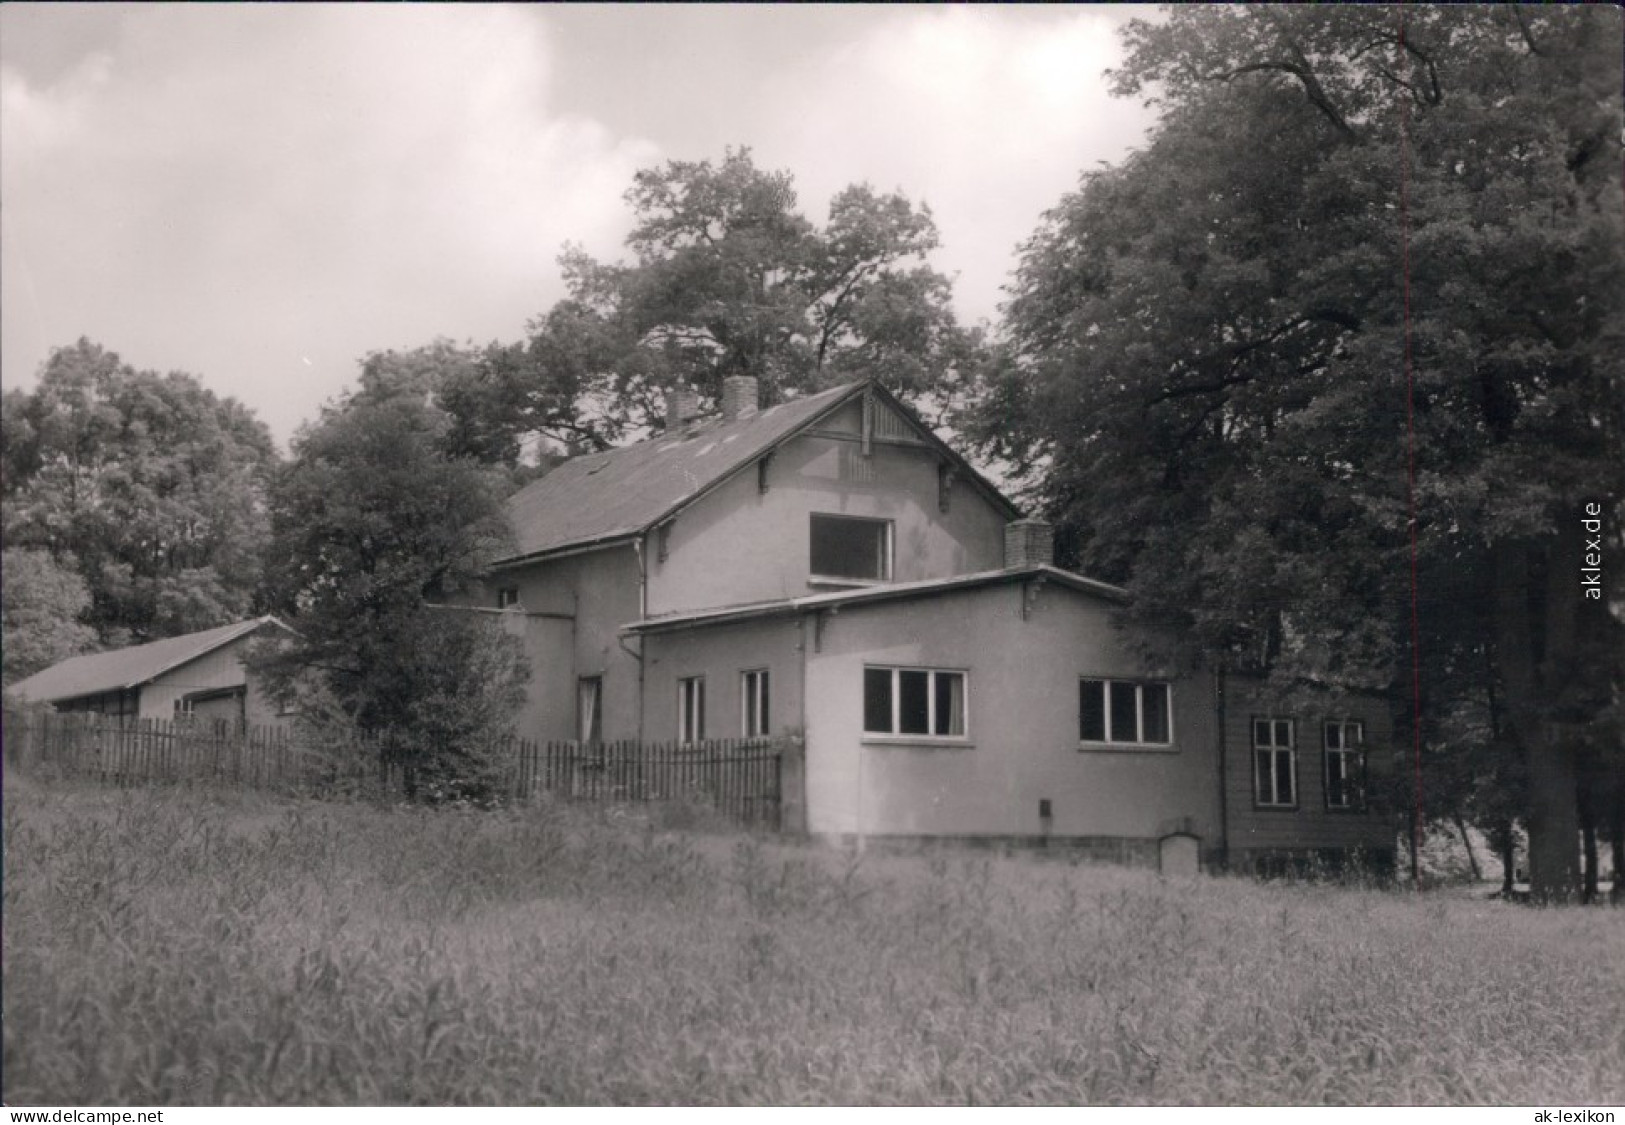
740,397
1028,542
682,406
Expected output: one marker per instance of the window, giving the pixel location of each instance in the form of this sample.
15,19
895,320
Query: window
754,720
914,701
1275,765
844,547
1122,711
185,709
691,709
507,597
590,709
1345,766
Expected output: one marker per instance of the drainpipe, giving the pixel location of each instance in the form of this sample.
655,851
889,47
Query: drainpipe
1224,769
643,613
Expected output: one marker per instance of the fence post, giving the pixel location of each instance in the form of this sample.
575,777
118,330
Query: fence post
790,764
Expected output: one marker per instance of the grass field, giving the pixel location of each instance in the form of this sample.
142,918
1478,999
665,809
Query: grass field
180,948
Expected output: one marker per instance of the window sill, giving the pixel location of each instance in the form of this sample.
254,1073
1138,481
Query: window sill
845,583
925,741
1126,748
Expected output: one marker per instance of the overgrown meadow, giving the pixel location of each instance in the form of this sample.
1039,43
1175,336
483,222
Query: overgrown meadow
191,948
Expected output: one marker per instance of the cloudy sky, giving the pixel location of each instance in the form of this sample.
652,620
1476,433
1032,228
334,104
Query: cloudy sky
262,194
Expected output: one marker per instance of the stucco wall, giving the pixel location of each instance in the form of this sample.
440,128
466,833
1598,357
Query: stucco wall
592,595
740,545
1022,742
721,655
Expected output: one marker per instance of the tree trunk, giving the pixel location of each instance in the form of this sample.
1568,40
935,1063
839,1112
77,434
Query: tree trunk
1617,832
1588,853
1509,859
1467,842
1522,632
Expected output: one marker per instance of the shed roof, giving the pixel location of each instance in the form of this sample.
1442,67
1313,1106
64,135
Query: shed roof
132,667
604,497
895,591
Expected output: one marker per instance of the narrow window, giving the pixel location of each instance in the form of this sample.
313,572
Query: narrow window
1274,764
877,693
754,720
844,547
691,709
1345,765
590,709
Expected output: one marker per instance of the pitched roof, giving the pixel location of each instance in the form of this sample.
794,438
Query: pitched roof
893,591
126,668
604,497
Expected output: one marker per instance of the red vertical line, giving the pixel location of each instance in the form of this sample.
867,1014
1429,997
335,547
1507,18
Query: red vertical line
1410,451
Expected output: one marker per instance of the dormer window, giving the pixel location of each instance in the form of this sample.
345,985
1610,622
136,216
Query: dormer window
850,549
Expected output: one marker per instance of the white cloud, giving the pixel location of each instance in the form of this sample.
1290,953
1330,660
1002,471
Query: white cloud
986,115
240,186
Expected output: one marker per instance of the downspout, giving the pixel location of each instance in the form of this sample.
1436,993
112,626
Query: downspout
643,613
1224,769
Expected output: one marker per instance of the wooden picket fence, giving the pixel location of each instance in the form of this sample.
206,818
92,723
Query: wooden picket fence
742,778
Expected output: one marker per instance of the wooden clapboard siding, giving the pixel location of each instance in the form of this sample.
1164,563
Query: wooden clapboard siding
1310,826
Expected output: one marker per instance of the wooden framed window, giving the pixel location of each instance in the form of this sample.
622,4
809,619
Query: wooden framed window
849,549
691,709
590,709
1125,713
1275,764
508,597
755,720
1345,765
917,702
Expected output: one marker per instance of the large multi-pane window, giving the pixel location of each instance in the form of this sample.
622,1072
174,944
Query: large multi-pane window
849,548
754,718
1275,764
691,709
914,701
1345,765
1124,711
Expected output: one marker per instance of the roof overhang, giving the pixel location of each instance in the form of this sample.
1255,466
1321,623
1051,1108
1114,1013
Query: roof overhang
872,595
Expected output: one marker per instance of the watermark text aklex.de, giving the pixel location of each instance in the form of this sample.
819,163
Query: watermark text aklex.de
1591,559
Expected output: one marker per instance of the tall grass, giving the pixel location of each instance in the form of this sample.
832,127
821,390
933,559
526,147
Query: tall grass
185,949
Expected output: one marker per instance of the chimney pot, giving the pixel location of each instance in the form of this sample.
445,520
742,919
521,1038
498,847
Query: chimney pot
1028,542
740,397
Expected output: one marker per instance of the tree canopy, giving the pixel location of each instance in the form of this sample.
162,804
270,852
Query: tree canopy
148,486
727,277
374,526
1351,224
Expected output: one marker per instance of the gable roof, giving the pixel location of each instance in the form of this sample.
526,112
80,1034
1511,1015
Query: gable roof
605,497
892,591
127,668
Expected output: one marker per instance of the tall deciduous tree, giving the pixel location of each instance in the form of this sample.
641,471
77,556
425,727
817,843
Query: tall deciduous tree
375,524
149,486
727,277
43,604
1208,351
